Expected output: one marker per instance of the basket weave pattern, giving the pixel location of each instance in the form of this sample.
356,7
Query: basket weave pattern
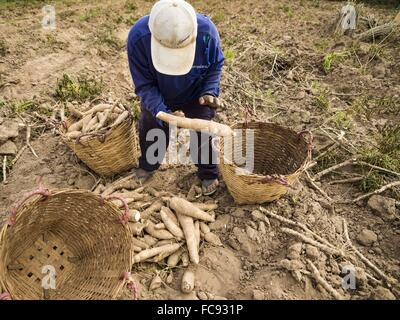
280,156
111,153
79,235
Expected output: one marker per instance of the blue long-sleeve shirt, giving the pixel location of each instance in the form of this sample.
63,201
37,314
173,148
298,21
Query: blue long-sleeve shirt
160,92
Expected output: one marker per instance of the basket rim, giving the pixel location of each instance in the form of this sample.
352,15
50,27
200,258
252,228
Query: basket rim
55,192
257,176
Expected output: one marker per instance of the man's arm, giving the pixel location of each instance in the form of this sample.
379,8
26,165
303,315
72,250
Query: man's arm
211,82
145,85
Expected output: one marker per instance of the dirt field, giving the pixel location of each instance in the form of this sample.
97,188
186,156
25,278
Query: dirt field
283,64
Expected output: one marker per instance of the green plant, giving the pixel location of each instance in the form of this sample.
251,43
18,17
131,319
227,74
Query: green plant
370,105
316,3
53,42
288,10
386,155
342,120
389,139
322,44
131,21
130,6
388,105
3,48
331,58
25,106
135,105
66,14
371,181
376,51
106,36
330,159
360,105
90,14
321,101
377,158
118,19
229,55
218,16
81,89
17,4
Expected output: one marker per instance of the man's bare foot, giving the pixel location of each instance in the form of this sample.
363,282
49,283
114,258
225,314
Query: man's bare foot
209,187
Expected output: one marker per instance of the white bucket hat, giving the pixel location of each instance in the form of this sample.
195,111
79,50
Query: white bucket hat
173,27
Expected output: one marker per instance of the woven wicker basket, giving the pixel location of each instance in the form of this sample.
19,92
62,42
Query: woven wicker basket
280,156
108,153
73,234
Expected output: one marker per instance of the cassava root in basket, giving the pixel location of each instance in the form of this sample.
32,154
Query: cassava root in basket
101,117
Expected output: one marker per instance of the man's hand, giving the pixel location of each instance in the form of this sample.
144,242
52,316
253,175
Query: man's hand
212,102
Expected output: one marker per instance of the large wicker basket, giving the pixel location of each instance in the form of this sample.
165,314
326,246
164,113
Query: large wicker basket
108,153
72,234
280,156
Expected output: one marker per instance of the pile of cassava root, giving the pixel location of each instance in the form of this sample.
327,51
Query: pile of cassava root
167,229
99,118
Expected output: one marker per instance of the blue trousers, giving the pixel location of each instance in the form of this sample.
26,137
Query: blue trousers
204,157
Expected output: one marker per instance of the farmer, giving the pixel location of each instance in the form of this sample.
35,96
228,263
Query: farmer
175,60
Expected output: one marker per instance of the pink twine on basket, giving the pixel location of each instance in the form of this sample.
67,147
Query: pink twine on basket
125,217
274,178
5,296
248,113
41,190
131,285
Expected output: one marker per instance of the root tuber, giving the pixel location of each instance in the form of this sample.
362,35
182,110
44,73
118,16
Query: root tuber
210,127
149,253
159,234
189,231
170,223
185,207
188,281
